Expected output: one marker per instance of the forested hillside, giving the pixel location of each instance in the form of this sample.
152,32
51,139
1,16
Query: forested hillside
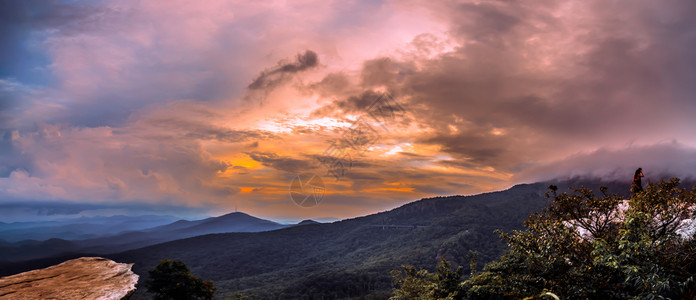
350,258
353,258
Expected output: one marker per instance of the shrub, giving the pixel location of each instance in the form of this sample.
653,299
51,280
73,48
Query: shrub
172,279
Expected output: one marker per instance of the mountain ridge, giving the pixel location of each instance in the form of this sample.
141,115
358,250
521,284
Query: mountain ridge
352,258
231,222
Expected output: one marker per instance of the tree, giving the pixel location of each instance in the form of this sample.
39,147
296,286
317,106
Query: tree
172,279
587,247
238,296
420,284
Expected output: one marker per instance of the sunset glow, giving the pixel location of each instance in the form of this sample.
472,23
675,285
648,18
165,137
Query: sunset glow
201,108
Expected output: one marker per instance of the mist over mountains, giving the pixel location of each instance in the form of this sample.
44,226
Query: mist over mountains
79,228
34,240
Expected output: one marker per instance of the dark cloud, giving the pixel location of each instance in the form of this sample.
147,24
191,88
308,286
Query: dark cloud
188,120
332,84
286,164
202,131
226,135
493,101
527,83
101,61
379,106
414,155
20,19
278,74
516,89
460,163
488,22
379,72
349,105
658,161
46,210
472,148
37,14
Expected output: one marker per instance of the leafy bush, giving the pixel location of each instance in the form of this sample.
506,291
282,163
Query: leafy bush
172,279
420,284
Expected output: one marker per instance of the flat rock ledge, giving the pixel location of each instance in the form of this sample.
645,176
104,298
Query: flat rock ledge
82,278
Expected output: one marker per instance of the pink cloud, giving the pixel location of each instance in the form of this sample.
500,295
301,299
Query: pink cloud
152,104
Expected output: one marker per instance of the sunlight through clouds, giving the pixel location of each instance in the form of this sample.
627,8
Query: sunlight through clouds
216,105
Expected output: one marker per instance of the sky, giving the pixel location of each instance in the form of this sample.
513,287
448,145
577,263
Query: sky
292,110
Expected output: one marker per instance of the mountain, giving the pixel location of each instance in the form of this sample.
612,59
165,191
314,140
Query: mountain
32,249
349,259
232,222
79,228
307,222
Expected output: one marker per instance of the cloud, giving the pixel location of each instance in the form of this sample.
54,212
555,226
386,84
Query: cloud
279,74
20,22
286,164
531,83
45,211
332,84
368,103
102,165
146,101
658,161
188,120
11,157
118,57
11,93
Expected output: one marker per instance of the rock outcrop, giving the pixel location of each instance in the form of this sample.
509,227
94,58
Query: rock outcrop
82,278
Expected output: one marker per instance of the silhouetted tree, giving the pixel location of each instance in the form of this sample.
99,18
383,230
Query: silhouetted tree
172,279
420,284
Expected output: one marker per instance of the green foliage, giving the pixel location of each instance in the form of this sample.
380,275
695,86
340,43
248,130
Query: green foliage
420,284
238,296
584,247
543,296
172,279
637,256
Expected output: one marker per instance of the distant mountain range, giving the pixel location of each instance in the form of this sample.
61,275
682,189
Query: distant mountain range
118,240
349,259
79,228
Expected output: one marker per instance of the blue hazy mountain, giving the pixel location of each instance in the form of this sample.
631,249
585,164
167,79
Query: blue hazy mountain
110,238
307,222
232,222
79,228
